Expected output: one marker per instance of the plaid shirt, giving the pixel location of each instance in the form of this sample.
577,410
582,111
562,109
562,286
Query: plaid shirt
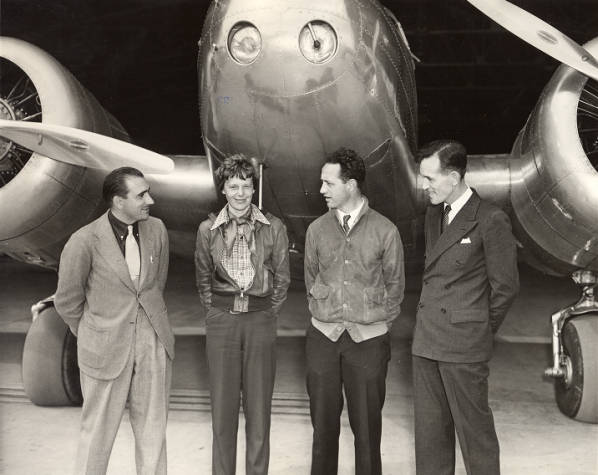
236,257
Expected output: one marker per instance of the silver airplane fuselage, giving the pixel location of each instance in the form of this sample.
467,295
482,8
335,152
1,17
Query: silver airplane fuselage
289,82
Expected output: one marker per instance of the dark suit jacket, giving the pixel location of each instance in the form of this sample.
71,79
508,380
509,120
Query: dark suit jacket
98,300
470,280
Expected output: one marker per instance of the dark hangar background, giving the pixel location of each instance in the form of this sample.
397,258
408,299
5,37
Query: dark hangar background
476,82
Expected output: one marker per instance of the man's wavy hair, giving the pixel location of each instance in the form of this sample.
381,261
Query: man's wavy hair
352,166
451,154
236,166
115,183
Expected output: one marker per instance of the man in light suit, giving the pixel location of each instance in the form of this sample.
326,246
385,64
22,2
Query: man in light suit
110,293
470,280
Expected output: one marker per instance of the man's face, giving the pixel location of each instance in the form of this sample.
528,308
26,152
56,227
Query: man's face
336,192
438,184
135,206
238,192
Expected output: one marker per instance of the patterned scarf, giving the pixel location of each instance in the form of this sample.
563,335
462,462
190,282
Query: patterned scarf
237,227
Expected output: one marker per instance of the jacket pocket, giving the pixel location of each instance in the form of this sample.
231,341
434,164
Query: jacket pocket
92,344
319,305
319,291
469,315
374,305
374,296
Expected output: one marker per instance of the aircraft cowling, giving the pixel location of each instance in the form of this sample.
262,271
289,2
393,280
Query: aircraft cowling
554,185
48,200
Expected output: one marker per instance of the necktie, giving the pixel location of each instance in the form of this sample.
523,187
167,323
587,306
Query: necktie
445,218
132,254
346,219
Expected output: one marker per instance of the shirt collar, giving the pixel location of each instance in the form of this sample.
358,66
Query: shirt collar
121,228
223,217
460,202
354,213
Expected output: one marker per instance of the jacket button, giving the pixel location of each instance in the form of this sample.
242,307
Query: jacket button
443,310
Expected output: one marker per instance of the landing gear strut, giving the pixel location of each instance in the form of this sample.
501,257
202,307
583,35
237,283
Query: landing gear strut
575,353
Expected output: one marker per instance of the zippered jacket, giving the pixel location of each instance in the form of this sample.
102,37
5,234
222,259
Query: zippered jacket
270,261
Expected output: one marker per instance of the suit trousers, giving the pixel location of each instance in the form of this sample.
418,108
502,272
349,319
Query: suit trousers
361,368
241,354
449,397
146,381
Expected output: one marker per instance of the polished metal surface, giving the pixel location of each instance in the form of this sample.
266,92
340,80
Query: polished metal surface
314,76
554,187
288,83
48,200
490,176
183,199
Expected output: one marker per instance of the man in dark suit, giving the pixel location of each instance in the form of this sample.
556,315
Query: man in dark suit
470,280
110,293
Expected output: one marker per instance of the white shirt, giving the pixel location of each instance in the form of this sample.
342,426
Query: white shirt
354,213
458,204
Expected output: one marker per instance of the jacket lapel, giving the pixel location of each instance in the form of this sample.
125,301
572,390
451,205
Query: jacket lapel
433,229
107,246
459,227
147,245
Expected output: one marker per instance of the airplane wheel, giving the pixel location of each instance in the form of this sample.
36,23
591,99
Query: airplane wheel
577,392
50,370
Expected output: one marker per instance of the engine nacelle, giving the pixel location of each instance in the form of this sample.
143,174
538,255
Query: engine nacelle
554,185
45,200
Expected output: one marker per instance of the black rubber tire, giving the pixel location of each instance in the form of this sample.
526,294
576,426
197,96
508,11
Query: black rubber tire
49,368
579,399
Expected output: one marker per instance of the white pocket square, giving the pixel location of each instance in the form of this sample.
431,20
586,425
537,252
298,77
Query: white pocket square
466,241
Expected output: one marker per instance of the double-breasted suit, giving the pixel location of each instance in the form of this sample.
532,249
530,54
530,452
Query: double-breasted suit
470,280
124,339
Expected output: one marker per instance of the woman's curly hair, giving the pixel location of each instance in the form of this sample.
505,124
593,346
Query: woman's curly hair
236,166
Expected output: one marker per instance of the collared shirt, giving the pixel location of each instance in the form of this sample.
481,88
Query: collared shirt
353,213
224,217
458,204
237,260
121,231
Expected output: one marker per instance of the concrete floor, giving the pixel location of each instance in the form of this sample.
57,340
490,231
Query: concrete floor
535,437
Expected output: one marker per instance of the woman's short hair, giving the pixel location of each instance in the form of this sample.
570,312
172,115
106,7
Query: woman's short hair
236,166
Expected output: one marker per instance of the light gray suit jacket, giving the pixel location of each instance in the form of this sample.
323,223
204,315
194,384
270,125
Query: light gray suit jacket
98,300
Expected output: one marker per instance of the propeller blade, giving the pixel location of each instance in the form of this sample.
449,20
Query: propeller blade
540,34
83,148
